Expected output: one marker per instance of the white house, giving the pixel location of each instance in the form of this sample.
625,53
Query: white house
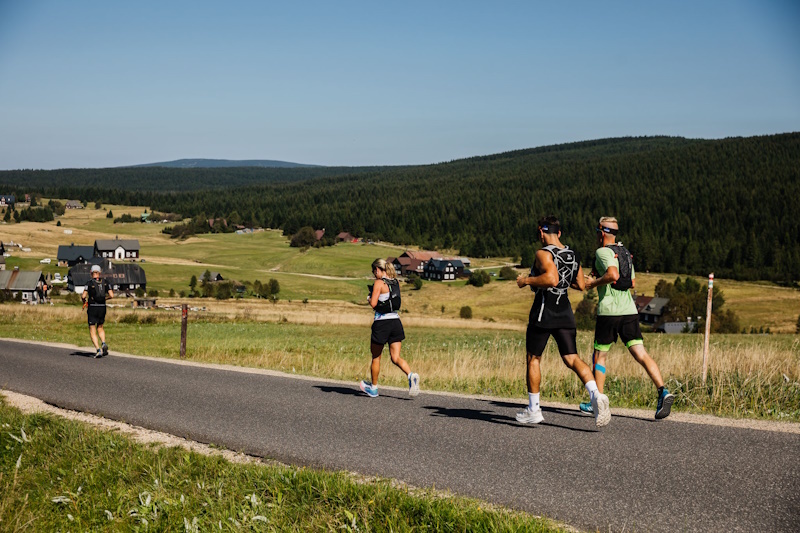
116,248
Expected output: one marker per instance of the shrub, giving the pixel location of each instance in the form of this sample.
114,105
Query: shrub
508,273
153,293
148,319
129,318
479,278
73,298
466,312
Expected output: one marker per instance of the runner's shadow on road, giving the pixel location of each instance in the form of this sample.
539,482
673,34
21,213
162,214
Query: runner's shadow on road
494,418
471,414
353,392
83,354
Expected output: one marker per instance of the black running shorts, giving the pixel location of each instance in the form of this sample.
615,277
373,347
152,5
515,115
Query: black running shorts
608,328
387,331
96,314
536,340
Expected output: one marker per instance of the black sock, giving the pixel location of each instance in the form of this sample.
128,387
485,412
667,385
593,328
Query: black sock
660,391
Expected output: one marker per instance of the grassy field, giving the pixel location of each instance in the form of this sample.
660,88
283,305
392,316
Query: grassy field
59,475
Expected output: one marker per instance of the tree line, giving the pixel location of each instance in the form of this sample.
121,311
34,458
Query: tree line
685,206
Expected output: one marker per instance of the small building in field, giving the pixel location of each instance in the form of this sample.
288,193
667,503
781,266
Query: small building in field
405,265
650,309
29,285
74,204
214,277
117,248
319,234
439,270
72,255
7,200
345,237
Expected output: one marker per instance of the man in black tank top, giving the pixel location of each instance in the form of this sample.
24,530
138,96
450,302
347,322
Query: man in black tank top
556,268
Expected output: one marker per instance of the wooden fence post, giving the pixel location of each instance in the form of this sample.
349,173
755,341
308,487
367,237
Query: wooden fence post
708,326
184,321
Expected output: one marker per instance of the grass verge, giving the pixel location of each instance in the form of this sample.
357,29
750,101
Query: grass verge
60,475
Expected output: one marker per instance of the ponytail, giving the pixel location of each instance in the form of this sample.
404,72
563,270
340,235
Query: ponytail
386,266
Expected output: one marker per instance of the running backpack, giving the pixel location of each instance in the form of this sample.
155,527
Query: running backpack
625,259
392,305
96,290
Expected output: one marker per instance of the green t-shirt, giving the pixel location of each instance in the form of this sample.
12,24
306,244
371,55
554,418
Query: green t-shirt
611,301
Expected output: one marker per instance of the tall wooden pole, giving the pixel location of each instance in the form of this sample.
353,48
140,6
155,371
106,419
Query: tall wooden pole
184,322
708,326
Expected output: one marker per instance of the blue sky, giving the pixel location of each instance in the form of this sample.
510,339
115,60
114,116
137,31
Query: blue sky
99,83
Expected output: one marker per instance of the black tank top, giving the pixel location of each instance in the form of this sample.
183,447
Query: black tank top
551,308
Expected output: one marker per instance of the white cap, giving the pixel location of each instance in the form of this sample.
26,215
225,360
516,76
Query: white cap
96,268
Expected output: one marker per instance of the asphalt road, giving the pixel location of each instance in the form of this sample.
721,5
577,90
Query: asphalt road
634,475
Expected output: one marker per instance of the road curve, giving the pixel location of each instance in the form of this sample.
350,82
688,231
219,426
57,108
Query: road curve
635,474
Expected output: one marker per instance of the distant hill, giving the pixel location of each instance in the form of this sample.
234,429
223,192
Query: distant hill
224,163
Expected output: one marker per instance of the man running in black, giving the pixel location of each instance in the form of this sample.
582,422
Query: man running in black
555,269
95,295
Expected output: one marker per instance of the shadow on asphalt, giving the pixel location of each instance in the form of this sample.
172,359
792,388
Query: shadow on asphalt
494,418
83,354
353,392
560,411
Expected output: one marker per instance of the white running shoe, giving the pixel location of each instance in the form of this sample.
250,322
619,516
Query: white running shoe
602,412
413,384
530,417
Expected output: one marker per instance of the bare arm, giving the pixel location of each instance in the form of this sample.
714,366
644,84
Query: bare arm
580,282
611,276
377,288
548,277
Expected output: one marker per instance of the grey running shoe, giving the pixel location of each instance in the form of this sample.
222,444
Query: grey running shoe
664,404
413,384
602,412
99,354
105,349
530,417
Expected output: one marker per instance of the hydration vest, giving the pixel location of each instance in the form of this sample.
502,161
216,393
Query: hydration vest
392,305
567,264
625,259
97,291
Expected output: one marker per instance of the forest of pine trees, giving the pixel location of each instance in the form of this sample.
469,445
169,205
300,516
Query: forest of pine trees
685,206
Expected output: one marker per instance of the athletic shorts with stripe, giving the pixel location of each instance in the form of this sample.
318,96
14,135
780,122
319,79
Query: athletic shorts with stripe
536,340
608,328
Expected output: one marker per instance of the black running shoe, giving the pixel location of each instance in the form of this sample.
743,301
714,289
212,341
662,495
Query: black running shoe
105,349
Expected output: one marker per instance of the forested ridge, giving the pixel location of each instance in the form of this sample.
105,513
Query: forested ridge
687,206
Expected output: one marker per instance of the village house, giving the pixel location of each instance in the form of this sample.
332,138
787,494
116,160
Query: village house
214,277
28,285
74,204
319,234
650,309
124,278
72,255
439,270
116,248
345,237
6,200
405,265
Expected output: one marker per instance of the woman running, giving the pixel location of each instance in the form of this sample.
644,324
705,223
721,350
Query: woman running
384,298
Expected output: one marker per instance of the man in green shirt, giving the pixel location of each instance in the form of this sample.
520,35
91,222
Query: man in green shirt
617,315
